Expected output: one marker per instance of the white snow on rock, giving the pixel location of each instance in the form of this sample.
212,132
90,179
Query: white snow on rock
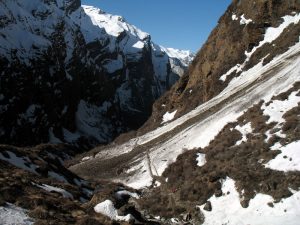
278,133
13,215
86,158
278,108
228,210
122,193
20,162
113,25
236,69
107,208
50,188
200,159
185,56
271,34
244,21
244,130
139,44
288,159
276,146
168,116
234,17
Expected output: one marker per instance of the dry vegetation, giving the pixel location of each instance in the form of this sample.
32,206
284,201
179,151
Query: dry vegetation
189,185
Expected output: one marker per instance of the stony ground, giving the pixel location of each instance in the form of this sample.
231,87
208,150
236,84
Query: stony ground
36,180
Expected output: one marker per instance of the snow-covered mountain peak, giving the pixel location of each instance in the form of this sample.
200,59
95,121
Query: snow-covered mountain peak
113,24
185,55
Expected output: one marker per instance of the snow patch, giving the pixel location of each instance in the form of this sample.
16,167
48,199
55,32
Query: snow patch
139,45
288,159
228,210
201,159
244,21
13,215
168,116
185,56
86,158
237,69
244,130
122,193
107,208
50,188
278,108
20,162
276,146
234,17
272,33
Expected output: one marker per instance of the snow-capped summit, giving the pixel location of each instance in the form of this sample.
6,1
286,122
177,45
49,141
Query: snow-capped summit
113,25
185,56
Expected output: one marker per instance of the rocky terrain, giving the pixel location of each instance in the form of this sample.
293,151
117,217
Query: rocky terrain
221,146
75,74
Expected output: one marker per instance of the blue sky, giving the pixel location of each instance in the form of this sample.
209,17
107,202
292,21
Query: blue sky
171,23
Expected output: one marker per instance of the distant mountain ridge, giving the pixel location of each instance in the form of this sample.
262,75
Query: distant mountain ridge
72,73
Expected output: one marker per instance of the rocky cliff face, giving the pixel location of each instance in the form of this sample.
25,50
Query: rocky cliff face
235,45
76,74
